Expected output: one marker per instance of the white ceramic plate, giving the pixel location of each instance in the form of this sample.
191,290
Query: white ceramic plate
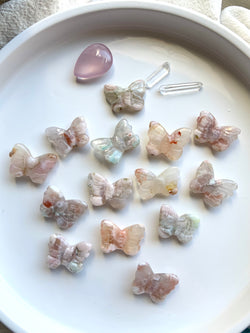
38,90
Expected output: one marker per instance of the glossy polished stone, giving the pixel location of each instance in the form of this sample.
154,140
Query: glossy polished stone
93,62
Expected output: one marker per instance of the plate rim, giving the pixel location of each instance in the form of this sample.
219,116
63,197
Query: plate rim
159,6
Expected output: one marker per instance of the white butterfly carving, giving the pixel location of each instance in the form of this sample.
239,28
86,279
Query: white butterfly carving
169,145
64,141
150,185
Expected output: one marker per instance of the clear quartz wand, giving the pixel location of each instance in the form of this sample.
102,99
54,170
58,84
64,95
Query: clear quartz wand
160,73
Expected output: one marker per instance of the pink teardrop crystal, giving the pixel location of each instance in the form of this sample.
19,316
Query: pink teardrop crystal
93,62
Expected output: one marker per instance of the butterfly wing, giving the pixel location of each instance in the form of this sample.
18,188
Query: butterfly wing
146,183
167,181
162,284
57,246
167,222
114,96
80,253
78,129
51,196
156,134
219,191
133,96
100,189
206,123
227,135
112,93
19,156
122,190
204,176
174,146
143,276
135,233
185,227
40,171
110,237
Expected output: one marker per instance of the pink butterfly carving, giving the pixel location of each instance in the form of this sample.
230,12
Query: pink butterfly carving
213,191
70,256
128,239
219,138
157,286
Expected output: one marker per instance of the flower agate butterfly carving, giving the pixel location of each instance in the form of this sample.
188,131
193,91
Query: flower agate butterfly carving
64,141
102,191
131,99
64,212
128,240
126,100
182,227
213,191
219,138
169,145
112,149
157,286
70,256
24,164
150,185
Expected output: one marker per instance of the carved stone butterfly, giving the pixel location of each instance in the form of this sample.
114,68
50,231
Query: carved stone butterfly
182,227
126,99
112,149
169,145
149,184
219,138
213,191
157,286
128,240
64,212
64,141
102,191
70,256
